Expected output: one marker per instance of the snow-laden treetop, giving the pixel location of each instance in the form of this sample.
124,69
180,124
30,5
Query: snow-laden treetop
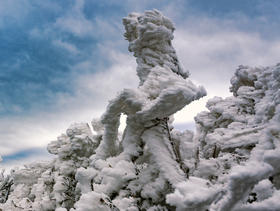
149,37
163,88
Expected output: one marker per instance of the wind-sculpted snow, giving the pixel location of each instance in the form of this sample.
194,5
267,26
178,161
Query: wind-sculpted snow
149,37
241,135
231,162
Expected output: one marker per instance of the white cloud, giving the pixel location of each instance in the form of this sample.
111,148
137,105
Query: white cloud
20,162
74,21
215,55
92,92
122,74
14,10
212,52
67,46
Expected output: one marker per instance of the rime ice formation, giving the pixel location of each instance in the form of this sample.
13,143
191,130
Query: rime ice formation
231,162
163,90
5,186
239,143
150,38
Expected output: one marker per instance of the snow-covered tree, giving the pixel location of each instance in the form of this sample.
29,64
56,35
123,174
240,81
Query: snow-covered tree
231,162
239,154
5,186
135,171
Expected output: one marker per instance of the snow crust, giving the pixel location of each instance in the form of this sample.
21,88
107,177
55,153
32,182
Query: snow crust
231,162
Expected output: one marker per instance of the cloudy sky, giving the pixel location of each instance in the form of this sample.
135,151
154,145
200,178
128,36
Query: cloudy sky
61,61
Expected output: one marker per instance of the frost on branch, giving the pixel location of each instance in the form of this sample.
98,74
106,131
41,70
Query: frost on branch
240,137
5,186
50,185
231,162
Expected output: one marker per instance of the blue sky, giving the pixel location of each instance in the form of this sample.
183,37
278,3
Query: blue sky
61,61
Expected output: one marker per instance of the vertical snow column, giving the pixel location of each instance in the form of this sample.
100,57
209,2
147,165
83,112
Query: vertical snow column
163,84
163,90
